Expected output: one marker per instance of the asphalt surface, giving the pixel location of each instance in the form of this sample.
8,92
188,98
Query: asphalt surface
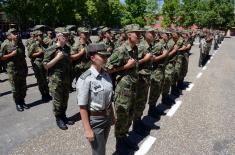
201,122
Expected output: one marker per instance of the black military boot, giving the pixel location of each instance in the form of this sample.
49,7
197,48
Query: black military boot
125,142
19,108
167,100
122,148
140,128
154,112
23,105
175,91
67,120
46,98
60,123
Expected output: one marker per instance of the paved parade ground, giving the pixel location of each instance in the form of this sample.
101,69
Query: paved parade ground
202,122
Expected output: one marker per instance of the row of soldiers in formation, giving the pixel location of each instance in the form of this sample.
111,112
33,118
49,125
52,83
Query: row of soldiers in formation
142,61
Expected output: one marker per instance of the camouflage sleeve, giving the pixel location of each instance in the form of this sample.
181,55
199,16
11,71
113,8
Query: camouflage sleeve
115,60
180,42
31,50
1,50
49,54
75,48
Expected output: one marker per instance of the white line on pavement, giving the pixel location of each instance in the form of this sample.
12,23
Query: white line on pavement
204,68
199,75
208,62
147,144
174,108
190,87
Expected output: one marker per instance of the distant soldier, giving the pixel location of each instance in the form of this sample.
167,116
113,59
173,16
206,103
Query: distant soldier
108,39
80,62
13,53
49,39
57,63
36,52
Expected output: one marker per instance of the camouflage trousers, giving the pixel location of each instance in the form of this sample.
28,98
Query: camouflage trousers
40,75
168,77
141,96
18,84
157,79
124,100
59,90
181,68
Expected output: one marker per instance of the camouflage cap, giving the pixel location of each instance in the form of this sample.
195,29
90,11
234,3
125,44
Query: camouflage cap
11,30
133,28
83,30
106,29
37,33
99,48
165,31
149,29
62,30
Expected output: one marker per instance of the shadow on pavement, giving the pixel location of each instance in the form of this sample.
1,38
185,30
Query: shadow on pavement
32,85
6,93
35,103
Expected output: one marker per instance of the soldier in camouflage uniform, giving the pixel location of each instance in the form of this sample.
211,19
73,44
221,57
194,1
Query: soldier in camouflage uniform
144,61
13,53
80,62
188,44
178,61
123,62
30,41
157,70
122,39
108,39
57,63
35,53
49,39
170,44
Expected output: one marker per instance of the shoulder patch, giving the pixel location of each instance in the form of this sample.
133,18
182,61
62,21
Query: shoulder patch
85,74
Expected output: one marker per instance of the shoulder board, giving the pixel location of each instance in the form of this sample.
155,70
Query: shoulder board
85,74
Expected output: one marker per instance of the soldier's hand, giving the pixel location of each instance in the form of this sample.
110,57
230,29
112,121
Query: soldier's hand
130,63
83,51
13,53
59,55
90,135
109,49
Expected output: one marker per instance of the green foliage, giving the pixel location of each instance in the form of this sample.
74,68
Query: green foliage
139,11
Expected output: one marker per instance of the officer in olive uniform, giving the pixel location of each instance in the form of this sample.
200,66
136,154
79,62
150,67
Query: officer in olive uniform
36,52
13,53
57,63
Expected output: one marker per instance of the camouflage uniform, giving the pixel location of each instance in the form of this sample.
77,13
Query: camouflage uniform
179,62
143,83
157,73
40,72
17,70
125,92
59,79
169,70
83,63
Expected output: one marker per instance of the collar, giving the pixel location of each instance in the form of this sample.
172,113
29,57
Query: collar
95,72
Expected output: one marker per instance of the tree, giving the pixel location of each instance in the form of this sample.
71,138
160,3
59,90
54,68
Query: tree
170,11
139,11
